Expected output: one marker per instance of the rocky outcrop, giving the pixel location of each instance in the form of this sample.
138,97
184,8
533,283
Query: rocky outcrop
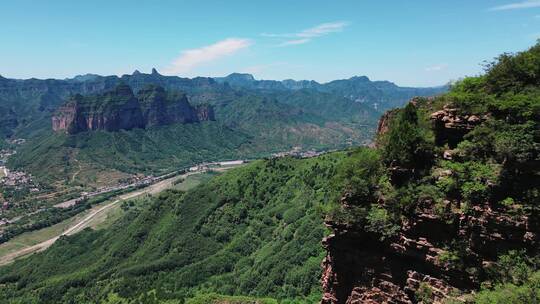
162,108
384,121
121,109
435,254
450,126
112,111
205,112
359,268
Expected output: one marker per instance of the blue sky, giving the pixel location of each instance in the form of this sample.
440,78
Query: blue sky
413,43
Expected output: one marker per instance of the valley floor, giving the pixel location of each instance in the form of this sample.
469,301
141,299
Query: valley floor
99,216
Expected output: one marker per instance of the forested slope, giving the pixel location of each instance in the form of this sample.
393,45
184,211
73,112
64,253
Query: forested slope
252,231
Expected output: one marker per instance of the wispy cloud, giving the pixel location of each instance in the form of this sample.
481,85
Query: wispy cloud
309,34
295,42
189,59
517,5
436,68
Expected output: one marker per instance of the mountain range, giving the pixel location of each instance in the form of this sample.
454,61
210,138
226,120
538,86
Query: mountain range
260,116
442,208
24,100
381,95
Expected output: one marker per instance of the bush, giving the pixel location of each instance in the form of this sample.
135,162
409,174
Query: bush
424,294
359,175
380,222
514,72
407,144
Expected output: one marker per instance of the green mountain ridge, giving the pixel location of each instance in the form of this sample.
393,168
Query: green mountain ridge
252,231
246,127
378,95
444,209
33,100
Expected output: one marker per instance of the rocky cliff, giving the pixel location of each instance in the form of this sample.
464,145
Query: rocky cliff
359,268
121,109
447,244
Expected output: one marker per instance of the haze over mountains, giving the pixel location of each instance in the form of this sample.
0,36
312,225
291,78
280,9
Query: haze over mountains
261,116
382,95
43,96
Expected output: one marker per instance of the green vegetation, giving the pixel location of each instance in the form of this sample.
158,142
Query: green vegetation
104,219
515,278
424,294
250,125
213,298
192,181
252,235
408,144
425,168
281,121
52,215
251,231
155,150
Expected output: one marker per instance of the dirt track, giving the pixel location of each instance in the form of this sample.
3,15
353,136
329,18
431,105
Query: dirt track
83,223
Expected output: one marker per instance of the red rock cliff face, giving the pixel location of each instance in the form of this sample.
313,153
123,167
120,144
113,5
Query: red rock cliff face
111,112
361,268
205,113
64,118
384,121
120,109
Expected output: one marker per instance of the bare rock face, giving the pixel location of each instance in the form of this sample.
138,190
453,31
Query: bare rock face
205,112
115,110
359,267
384,121
65,118
162,108
450,126
122,110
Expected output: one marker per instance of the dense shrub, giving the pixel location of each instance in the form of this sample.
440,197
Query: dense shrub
407,144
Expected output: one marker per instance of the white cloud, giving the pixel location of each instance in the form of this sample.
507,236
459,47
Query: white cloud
436,68
295,42
517,5
190,59
323,29
307,35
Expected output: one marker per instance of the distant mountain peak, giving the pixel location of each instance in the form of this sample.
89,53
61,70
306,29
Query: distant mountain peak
241,76
360,78
85,77
136,72
154,71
